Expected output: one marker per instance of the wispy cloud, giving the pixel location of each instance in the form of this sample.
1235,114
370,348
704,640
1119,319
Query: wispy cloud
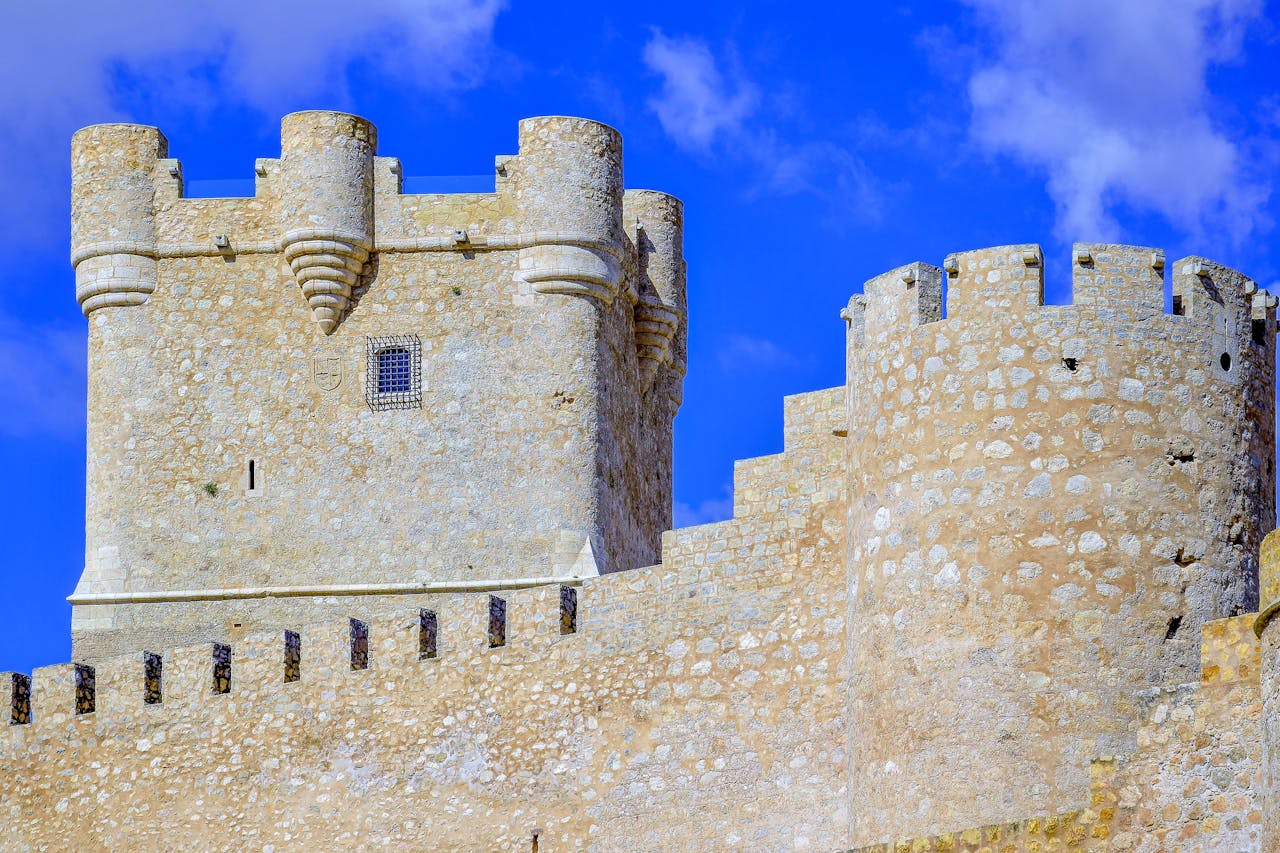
1119,113
699,102
80,62
42,380
709,105
703,512
745,353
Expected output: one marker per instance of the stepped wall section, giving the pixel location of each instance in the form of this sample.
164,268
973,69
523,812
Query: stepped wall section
698,706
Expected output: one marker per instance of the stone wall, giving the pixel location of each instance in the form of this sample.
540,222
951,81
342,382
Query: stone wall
1194,782
699,706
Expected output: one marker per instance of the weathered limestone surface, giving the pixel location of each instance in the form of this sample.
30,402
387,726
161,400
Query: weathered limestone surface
997,593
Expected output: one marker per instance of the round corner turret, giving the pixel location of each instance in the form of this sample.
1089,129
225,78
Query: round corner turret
655,222
326,206
113,234
569,194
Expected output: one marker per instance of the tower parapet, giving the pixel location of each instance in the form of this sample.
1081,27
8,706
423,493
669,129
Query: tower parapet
1047,502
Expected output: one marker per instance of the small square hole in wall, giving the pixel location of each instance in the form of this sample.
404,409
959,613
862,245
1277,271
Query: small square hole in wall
497,622
292,656
20,712
568,610
152,685
221,668
359,645
393,375
426,635
86,689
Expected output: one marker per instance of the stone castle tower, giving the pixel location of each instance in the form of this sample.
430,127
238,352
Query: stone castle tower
378,490
332,387
1047,504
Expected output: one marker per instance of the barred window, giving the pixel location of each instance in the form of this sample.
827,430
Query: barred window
394,379
393,371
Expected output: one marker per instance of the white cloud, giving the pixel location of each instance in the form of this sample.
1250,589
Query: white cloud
823,169
42,380
709,103
1111,100
73,63
699,104
704,512
742,352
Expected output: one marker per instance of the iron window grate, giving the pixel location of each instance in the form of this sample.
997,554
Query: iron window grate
394,372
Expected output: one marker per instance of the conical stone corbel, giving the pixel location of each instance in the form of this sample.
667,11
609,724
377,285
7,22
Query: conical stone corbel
327,268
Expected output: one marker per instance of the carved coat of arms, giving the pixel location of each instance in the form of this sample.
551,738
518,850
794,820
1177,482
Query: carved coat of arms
326,370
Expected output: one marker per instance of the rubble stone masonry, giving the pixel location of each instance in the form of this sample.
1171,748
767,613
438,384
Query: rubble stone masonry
378,486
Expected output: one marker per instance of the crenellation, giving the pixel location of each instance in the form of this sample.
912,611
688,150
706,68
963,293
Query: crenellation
259,659
53,695
1000,279
123,683
189,676
1126,279
1206,288
905,297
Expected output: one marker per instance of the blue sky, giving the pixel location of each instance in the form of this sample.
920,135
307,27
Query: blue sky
815,145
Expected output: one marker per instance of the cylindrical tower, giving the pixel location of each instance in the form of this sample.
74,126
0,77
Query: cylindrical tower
569,193
655,223
658,222
113,234
568,190
326,206
114,174
1046,504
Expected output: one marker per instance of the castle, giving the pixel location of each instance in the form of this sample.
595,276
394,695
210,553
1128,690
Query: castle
377,551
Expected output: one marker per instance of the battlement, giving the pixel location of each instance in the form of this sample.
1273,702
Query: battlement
147,687
1114,282
365,470
330,202
330,205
